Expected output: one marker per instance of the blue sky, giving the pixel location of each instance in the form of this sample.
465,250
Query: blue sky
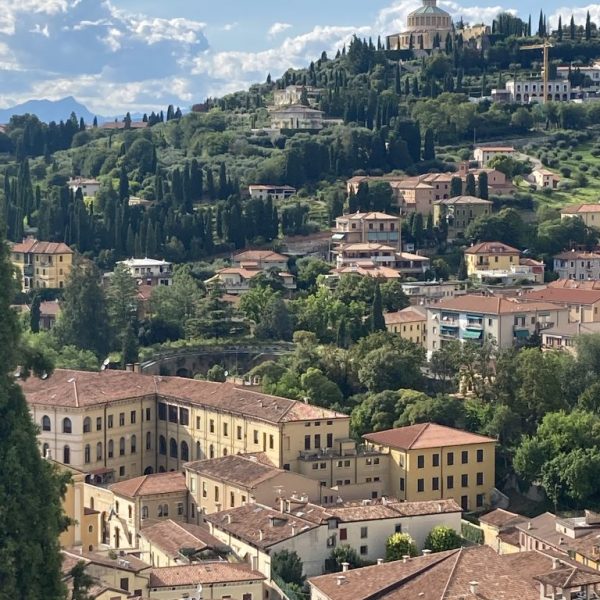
137,55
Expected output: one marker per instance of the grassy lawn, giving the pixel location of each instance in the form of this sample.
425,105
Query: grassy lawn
578,156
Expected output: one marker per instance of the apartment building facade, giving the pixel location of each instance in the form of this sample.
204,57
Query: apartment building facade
431,462
459,212
580,266
471,318
583,305
588,213
410,324
42,264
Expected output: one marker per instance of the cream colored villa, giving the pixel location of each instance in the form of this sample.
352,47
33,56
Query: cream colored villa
427,27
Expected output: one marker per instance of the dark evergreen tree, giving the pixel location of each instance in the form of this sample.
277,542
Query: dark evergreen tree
35,313
31,518
572,29
470,185
376,319
559,29
429,145
123,185
482,185
455,187
588,27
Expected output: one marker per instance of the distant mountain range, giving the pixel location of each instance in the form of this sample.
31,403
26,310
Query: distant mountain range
56,110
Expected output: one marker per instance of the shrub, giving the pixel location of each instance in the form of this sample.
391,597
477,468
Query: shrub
442,538
565,172
584,168
399,545
578,157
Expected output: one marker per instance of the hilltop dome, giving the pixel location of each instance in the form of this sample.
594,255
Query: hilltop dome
424,26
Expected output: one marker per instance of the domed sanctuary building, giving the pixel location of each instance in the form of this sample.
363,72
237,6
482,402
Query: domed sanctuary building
425,25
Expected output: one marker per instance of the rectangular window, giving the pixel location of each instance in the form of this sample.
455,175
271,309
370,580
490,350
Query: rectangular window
343,534
464,480
465,457
421,461
132,416
162,411
364,532
479,456
197,422
364,550
172,414
401,484
307,442
121,419
110,421
479,478
204,490
124,584
225,429
184,416
436,460
239,432
450,482
316,466
99,424
271,442
450,458
479,500
232,499
121,471
148,414
330,440
216,494
435,484
256,436
317,441
420,485
211,426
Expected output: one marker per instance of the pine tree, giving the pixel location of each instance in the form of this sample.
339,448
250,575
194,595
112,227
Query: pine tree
429,145
31,518
35,314
470,186
377,320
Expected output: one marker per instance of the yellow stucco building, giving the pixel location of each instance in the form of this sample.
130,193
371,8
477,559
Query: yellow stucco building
42,264
491,256
433,462
410,324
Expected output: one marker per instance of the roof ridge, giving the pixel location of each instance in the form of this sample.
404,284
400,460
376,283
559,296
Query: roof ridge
423,429
453,570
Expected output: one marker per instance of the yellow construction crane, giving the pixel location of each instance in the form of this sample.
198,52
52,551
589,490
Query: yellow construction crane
545,47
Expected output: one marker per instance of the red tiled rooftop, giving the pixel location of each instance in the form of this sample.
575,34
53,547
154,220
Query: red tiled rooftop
492,248
150,485
492,305
203,573
33,246
564,296
425,435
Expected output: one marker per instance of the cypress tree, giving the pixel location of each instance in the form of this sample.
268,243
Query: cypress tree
31,518
572,28
35,314
377,320
559,30
470,187
429,146
455,187
462,274
123,184
482,184
588,27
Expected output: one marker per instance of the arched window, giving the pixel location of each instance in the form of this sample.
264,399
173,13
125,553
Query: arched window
87,425
144,512
224,451
165,510
198,451
185,451
99,451
87,458
45,450
122,446
159,512
173,448
67,426
67,455
211,452
133,444
162,445
111,448
161,469
148,441
46,425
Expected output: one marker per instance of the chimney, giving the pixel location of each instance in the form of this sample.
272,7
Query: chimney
555,563
260,534
380,561
340,579
345,567
529,525
229,519
293,528
282,505
129,367
426,552
473,585
137,368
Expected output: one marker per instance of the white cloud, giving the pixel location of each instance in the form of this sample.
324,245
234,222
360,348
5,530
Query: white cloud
230,26
579,14
278,28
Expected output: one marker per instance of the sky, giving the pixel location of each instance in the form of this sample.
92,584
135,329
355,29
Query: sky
140,55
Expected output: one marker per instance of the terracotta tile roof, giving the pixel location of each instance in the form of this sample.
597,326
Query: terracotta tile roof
575,209
368,246
501,518
573,255
391,509
151,485
564,296
369,216
368,269
491,305
171,536
33,246
49,308
590,284
69,560
81,388
492,248
425,435
572,329
124,563
204,573
495,148
442,576
463,200
235,469
406,315
259,256
262,526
